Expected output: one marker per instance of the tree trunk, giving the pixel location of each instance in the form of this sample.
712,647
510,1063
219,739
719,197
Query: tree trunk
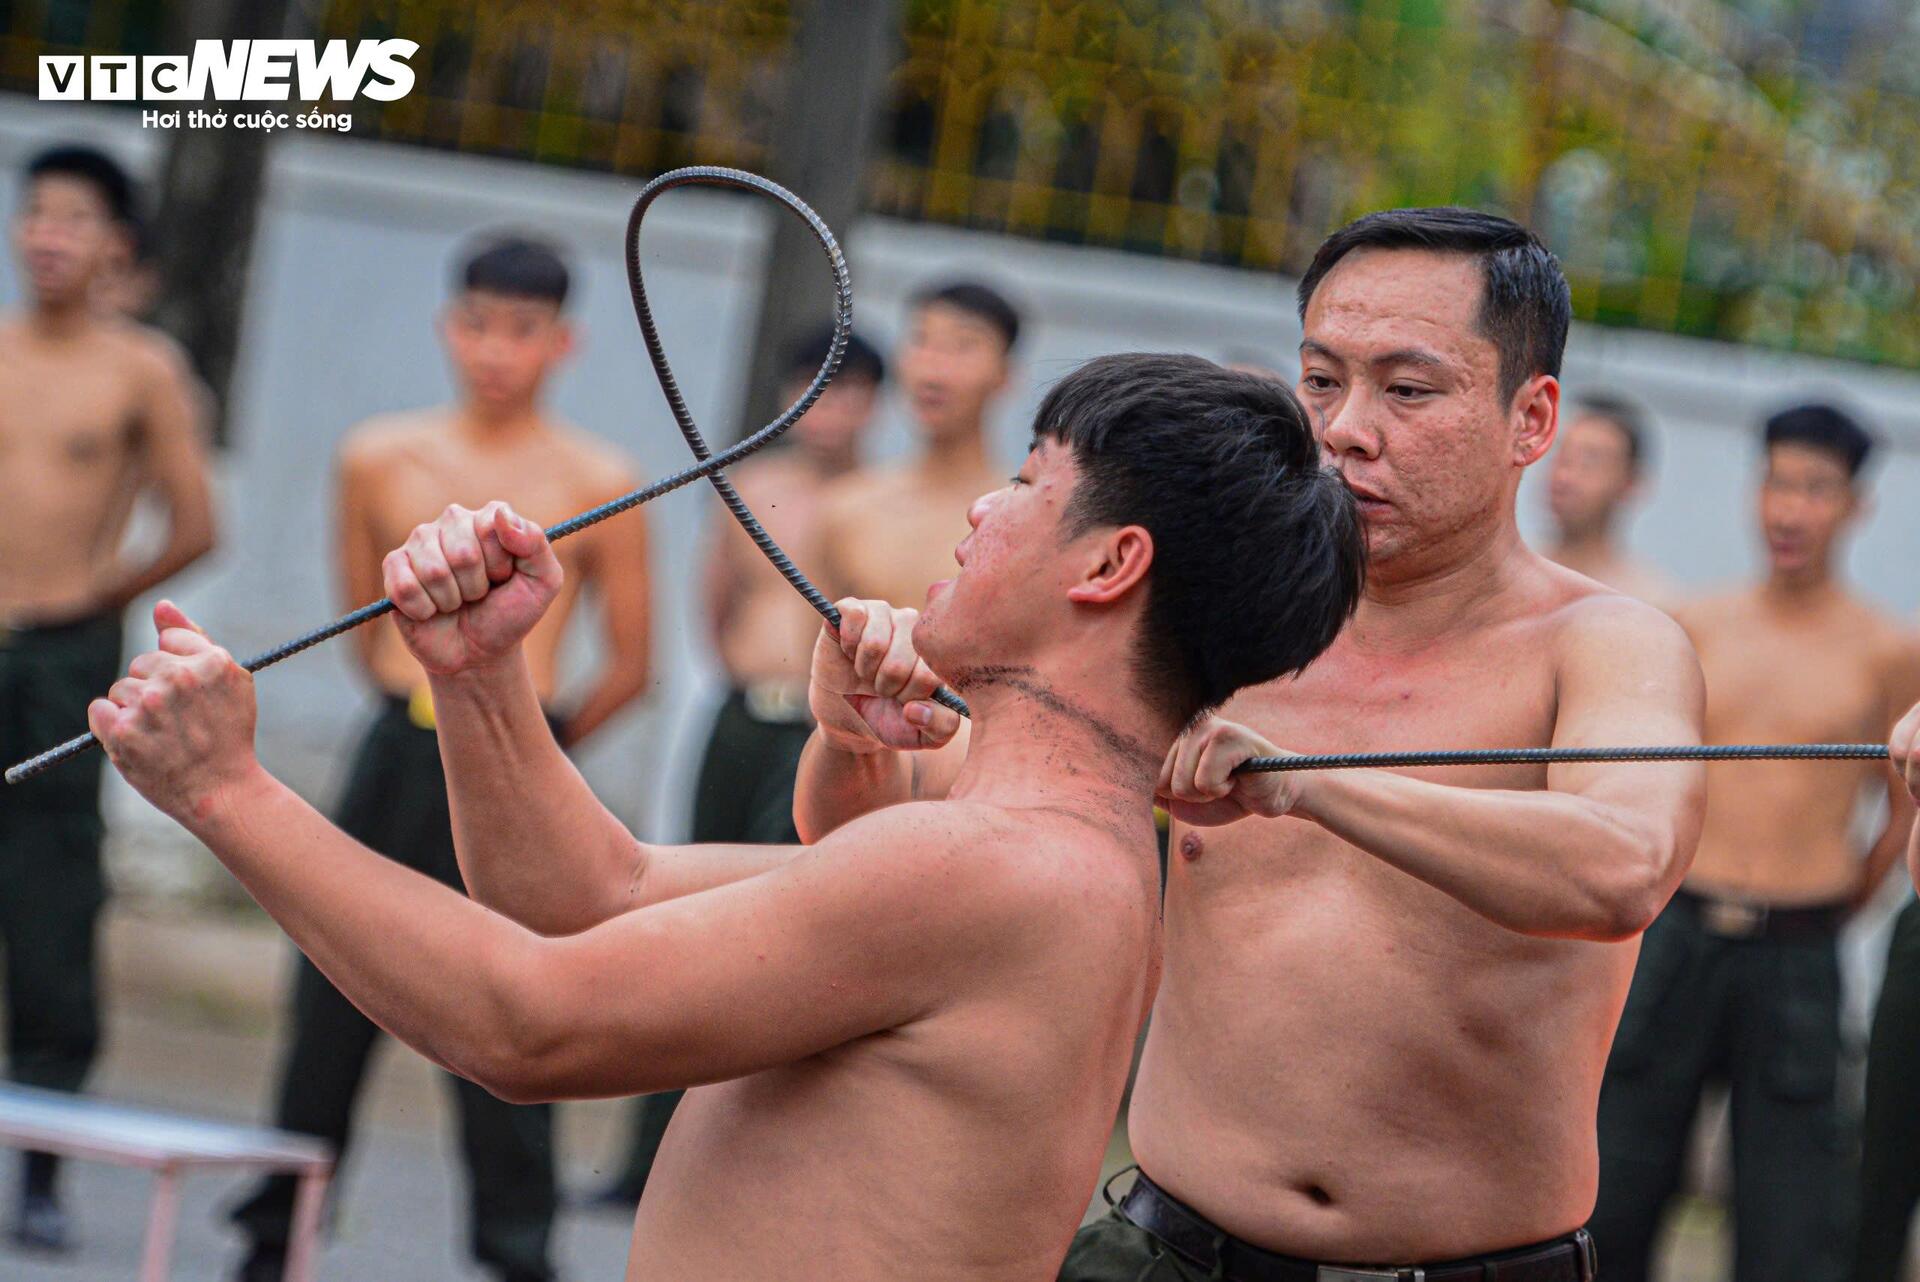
843,53
209,202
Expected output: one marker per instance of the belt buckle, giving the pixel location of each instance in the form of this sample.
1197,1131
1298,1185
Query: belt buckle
1329,1273
1731,919
776,702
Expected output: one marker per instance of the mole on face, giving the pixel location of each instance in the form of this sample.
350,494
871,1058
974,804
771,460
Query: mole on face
1192,847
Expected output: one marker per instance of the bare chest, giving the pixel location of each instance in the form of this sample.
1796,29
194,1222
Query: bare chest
415,490
788,504
64,418
920,534
1773,686
1503,698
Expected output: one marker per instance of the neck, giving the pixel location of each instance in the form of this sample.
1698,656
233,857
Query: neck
963,453
828,465
498,423
1580,549
60,319
1035,743
1411,609
1800,589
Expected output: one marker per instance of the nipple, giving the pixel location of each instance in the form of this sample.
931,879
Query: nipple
1191,847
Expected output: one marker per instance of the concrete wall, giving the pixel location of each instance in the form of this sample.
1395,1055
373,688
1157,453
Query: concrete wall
352,262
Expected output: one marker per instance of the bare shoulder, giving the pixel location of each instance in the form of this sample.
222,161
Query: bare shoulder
990,865
1878,627
598,466
386,438
1714,612
1893,642
153,354
774,470
861,487
1605,627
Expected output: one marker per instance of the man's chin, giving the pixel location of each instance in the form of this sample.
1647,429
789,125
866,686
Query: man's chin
927,638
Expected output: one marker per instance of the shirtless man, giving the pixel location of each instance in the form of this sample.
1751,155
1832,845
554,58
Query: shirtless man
1890,1124
887,532
917,1030
506,334
763,632
1379,1037
1740,978
94,412
1596,474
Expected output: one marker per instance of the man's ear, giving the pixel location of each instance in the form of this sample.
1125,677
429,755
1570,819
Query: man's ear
1536,418
1122,559
566,338
1859,504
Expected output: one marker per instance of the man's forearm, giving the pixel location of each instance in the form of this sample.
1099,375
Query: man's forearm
533,840
423,962
835,787
1539,863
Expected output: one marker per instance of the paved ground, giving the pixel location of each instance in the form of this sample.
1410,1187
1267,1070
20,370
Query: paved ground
193,1029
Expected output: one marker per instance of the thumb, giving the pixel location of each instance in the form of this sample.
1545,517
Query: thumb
524,540
168,615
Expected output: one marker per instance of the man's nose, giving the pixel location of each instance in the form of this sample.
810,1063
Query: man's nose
1349,432
978,511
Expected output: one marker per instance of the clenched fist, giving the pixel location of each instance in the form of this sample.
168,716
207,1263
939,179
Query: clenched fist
870,690
1198,785
468,587
179,725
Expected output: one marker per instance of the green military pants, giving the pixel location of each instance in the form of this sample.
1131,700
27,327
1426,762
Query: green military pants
1112,1249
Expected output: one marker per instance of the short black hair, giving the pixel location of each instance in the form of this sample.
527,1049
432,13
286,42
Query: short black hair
516,266
95,168
1822,427
1628,419
977,300
1525,306
860,360
1258,550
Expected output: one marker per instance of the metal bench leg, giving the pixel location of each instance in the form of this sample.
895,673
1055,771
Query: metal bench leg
162,1215
304,1241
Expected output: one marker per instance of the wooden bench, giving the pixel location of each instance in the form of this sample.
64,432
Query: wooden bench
171,1145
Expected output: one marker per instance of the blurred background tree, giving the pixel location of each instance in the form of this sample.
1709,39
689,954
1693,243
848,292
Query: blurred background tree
1738,169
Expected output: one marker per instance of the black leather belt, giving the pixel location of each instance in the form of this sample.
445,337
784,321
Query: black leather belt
1753,919
1204,1245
